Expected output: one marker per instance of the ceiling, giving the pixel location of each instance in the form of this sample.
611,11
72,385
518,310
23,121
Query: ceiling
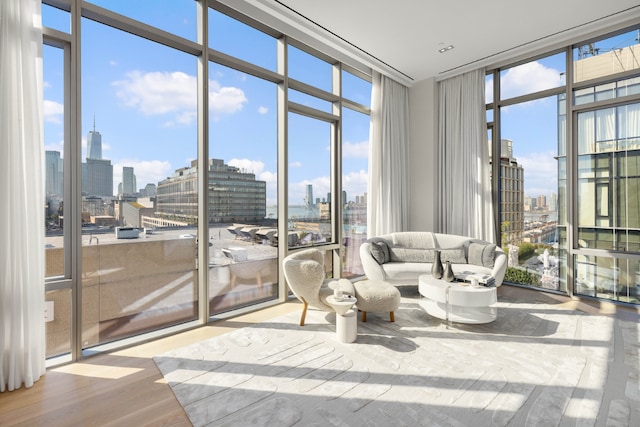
402,37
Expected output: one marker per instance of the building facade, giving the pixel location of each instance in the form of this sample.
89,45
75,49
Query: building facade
234,196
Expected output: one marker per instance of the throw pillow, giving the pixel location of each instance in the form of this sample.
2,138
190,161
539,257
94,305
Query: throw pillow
482,254
380,252
410,255
453,255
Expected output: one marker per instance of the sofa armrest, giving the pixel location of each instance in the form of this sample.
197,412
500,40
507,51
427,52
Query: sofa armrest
499,266
372,269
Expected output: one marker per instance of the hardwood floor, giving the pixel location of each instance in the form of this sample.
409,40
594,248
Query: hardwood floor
122,388
125,388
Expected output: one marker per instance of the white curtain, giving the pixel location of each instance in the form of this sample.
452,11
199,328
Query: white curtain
22,338
387,209
464,187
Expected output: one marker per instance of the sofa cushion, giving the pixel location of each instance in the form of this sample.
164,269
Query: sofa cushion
482,254
413,239
453,255
398,254
380,252
396,272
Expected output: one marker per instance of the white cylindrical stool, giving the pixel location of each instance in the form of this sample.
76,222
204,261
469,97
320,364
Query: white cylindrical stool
347,326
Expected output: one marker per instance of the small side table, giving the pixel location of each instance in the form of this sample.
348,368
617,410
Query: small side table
346,318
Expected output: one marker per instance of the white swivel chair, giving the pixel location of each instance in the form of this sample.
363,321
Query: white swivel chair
305,275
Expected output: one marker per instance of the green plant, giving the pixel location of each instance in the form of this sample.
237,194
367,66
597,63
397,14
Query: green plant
522,277
526,251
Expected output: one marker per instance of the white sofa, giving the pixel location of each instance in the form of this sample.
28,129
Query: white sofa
410,254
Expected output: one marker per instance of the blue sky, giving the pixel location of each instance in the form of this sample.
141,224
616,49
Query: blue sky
143,98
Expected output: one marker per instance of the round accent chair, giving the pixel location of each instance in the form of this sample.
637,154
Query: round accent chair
305,274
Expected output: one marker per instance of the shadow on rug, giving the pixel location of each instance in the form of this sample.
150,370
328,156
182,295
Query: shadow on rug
536,365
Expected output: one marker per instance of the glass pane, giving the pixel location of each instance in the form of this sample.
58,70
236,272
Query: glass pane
138,250
356,89
309,69
355,156
53,69
608,278
606,57
609,175
534,76
235,38
243,263
310,101
532,179
55,18
488,88
58,322
309,183
175,16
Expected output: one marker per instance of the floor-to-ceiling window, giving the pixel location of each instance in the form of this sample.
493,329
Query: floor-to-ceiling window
356,90
136,213
243,169
607,135
527,168
57,253
568,178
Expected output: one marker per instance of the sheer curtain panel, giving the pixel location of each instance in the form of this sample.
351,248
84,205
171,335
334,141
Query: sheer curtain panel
464,187
387,209
22,336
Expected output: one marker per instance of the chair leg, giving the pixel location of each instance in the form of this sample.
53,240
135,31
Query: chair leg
391,317
364,316
304,311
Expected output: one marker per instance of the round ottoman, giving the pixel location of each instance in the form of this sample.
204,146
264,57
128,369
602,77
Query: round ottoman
376,296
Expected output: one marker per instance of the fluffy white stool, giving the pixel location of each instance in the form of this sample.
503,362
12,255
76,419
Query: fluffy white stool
376,296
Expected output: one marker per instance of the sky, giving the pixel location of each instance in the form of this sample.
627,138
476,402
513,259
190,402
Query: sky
142,98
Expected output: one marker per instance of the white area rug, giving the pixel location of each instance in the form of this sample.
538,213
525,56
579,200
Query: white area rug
536,365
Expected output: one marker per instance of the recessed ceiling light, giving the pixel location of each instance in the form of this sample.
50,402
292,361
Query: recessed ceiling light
444,49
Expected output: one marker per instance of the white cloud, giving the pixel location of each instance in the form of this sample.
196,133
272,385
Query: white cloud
58,146
295,164
271,178
245,165
159,93
528,78
263,110
225,100
53,111
146,171
355,149
355,183
540,173
298,190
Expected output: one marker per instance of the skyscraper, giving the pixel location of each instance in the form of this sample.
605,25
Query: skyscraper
97,173
53,173
129,186
308,198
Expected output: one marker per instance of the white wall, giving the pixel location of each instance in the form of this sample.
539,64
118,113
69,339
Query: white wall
423,134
